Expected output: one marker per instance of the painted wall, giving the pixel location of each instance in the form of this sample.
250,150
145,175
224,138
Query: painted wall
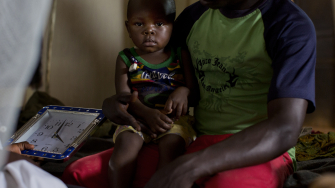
87,38
322,15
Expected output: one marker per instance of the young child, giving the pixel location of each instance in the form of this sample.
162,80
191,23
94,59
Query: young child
153,69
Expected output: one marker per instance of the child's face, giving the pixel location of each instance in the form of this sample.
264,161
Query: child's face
149,28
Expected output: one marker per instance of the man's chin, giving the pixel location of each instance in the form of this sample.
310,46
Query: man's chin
211,4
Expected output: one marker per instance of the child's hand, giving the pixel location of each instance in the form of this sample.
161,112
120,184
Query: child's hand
157,121
177,103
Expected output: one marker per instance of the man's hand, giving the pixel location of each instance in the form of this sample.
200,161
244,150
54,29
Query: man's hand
177,103
18,147
115,109
178,174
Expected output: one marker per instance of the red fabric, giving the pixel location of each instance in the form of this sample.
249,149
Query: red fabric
91,171
267,175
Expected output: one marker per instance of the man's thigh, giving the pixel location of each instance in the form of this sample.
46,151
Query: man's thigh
92,171
267,175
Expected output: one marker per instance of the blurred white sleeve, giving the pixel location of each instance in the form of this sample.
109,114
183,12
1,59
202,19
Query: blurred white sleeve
22,174
22,23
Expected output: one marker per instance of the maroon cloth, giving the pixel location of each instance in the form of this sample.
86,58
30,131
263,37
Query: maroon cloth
91,171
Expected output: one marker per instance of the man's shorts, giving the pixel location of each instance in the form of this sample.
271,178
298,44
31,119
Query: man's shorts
182,127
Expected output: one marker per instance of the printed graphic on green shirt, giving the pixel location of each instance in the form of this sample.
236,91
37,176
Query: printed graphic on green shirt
234,79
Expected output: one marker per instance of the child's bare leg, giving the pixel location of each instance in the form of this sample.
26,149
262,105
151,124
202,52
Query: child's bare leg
170,146
122,164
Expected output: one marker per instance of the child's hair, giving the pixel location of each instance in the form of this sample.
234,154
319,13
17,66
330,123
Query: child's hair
169,5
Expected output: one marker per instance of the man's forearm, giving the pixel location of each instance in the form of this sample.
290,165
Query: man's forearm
254,145
249,147
115,108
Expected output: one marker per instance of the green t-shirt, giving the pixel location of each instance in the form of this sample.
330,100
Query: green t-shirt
243,59
233,82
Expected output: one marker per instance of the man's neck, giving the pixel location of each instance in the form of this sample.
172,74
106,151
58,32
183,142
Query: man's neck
241,9
242,4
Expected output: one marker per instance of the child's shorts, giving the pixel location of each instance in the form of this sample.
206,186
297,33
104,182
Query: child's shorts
182,127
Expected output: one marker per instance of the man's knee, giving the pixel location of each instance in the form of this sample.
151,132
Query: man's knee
267,175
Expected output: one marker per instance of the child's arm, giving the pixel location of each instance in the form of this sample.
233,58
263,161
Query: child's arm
154,119
183,97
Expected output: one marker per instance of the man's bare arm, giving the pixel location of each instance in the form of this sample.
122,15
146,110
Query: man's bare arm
254,145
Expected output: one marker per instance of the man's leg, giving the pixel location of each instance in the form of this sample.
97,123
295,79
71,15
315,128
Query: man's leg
91,171
268,175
